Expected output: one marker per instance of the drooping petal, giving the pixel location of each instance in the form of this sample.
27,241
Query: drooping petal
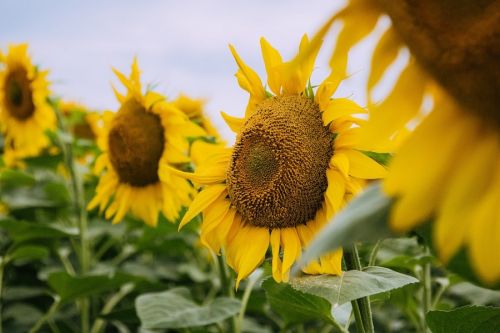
248,248
202,201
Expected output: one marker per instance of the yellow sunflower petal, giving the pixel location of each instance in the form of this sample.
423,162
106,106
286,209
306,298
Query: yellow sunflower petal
484,237
384,55
275,247
248,254
362,166
248,79
202,201
470,180
291,250
272,61
234,123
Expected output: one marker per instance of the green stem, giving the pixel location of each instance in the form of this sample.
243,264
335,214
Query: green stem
244,301
426,290
358,319
354,262
373,253
53,308
2,266
227,287
110,304
80,210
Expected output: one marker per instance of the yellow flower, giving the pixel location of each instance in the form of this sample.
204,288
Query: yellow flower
83,123
25,114
449,167
194,109
139,144
296,161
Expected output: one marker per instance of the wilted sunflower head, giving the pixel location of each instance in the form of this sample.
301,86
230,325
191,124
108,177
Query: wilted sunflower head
145,136
294,164
24,110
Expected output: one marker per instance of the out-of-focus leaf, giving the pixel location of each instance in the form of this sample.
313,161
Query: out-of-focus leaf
22,230
467,319
14,178
364,219
175,309
28,253
22,314
19,293
474,294
71,287
127,316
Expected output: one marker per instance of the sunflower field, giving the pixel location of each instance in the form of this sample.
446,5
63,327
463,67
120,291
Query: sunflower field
355,188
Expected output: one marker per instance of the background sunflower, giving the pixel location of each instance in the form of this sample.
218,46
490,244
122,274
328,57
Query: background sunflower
24,110
139,143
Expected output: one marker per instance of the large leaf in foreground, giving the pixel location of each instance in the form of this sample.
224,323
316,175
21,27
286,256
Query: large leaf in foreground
295,306
313,297
175,309
352,284
364,219
468,319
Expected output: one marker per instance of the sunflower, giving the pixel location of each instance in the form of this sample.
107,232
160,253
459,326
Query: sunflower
139,144
194,109
295,163
83,123
25,114
454,154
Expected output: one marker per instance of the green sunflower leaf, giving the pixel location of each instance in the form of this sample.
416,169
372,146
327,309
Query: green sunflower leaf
314,296
365,219
72,287
23,230
467,319
295,306
175,308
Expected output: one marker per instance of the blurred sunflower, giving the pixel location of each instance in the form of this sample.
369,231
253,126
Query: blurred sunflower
294,164
454,155
139,143
25,114
194,109
83,123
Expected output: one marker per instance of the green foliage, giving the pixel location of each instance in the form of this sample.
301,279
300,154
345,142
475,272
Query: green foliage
364,219
176,309
313,297
467,319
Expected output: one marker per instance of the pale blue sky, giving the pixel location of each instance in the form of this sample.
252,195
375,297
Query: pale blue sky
181,45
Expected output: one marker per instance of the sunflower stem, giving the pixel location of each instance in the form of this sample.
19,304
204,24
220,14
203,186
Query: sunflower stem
354,262
426,290
2,266
227,288
81,212
244,300
358,319
52,310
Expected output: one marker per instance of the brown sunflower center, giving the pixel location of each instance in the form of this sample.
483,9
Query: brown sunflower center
277,174
136,142
18,94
